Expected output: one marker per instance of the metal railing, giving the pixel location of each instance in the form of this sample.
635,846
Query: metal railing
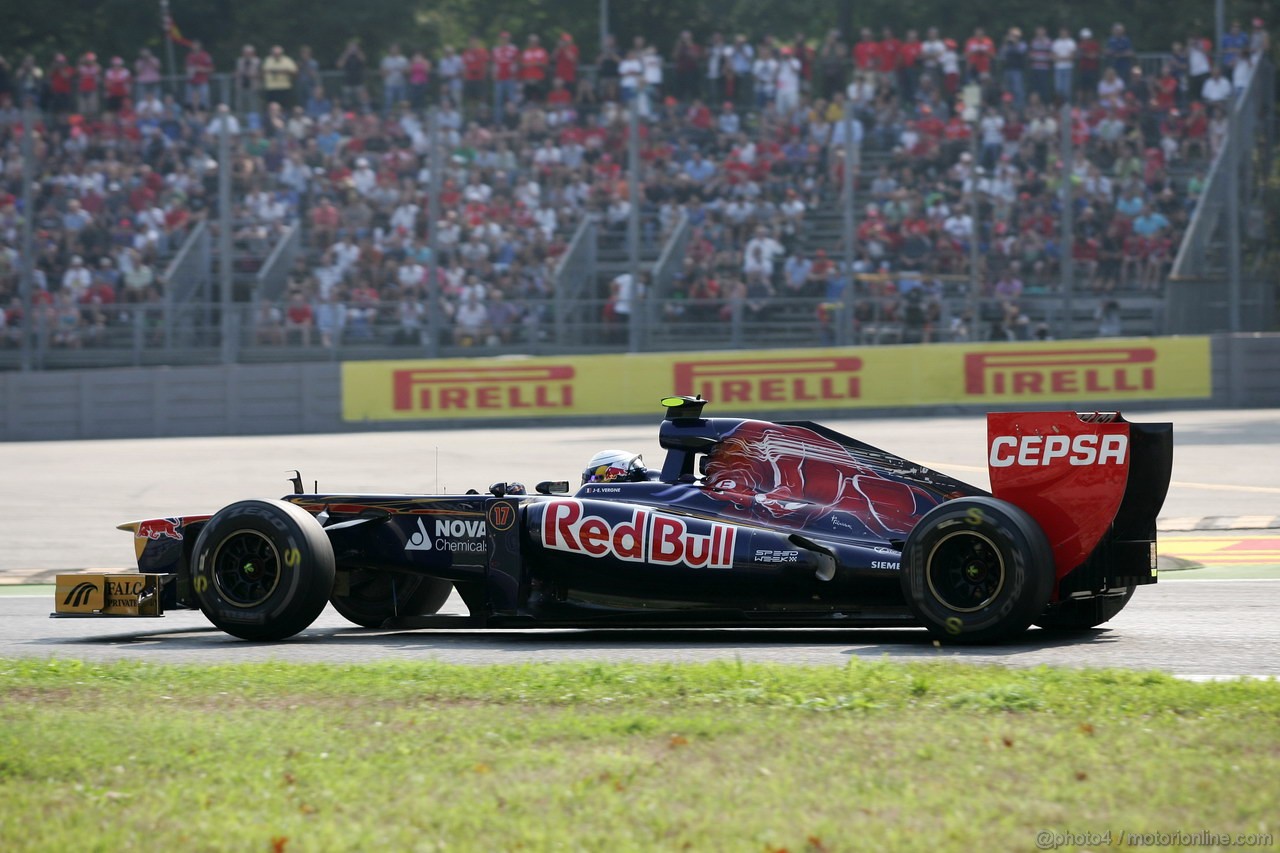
1192,256
222,88
1207,287
274,273
672,256
187,280
136,333
574,272
668,265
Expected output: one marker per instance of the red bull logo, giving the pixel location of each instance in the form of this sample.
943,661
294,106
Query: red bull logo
821,379
160,528
482,389
646,538
1029,373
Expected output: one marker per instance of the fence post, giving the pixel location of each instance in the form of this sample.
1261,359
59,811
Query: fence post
1067,258
975,282
139,333
844,326
224,232
434,164
28,218
1232,163
635,331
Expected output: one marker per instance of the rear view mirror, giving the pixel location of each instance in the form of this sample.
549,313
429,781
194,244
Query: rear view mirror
552,487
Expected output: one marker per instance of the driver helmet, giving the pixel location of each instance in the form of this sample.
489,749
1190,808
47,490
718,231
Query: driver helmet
608,466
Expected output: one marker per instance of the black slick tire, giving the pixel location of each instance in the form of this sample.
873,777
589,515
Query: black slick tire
262,569
371,598
977,570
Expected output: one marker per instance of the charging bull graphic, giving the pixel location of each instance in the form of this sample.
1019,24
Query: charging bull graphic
158,528
793,475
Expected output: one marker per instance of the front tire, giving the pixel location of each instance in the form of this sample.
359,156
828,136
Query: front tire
977,570
262,569
371,598
1083,614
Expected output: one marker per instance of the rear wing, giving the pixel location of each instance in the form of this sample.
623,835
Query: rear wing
1094,482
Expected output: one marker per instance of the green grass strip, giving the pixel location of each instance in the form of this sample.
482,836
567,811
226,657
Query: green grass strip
717,756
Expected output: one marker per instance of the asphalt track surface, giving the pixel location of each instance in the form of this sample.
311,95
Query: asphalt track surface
63,499
1190,628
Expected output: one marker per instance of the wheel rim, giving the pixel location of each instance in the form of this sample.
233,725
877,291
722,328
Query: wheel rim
246,569
966,571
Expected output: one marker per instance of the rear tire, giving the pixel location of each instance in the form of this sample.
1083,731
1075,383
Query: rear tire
374,597
1081,615
262,569
977,570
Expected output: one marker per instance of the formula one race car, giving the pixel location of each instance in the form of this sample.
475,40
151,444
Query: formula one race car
747,523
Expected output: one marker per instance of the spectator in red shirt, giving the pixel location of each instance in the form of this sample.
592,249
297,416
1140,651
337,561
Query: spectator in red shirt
1132,259
1159,250
866,54
687,56
956,133
1085,254
1089,64
62,83
1195,131
1164,90
930,125
978,51
90,74
887,57
699,117
559,97
118,81
324,222
909,65
533,69
475,70
565,59
199,68
506,64
299,317
146,74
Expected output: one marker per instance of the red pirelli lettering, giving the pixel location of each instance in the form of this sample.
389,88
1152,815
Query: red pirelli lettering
1060,371
482,388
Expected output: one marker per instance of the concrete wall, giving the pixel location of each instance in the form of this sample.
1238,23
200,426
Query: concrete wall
170,401
1246,370
306,398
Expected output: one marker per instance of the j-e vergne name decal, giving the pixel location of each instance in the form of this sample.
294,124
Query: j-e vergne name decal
464,389
1024,373
646,537
772,380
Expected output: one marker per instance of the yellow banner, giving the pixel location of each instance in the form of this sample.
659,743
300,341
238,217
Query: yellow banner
1022,374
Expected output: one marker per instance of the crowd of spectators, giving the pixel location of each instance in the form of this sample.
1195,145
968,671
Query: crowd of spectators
744,138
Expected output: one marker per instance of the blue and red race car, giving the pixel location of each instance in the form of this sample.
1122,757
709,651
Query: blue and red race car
747,523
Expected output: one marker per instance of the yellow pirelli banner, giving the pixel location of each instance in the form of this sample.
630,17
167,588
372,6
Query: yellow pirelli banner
1002,374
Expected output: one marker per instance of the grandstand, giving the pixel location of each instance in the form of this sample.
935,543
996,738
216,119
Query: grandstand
325,221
